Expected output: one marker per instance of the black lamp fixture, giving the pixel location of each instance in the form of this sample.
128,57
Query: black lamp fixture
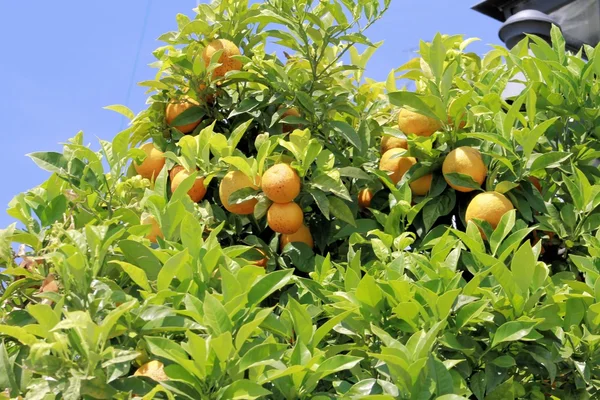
579,20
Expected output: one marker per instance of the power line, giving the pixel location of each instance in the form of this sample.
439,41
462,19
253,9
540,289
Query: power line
137,57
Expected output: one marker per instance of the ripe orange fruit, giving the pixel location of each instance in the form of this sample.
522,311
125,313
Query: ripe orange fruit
290,112
411,122
227,62
285,218
155,232
392,142
152,164
302,235
176,108
364,198
175,170
488,206
154,370
281,183
197,191
232,182
397,165
421,186
465,160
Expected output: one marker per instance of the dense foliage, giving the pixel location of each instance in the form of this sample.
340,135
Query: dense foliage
107,271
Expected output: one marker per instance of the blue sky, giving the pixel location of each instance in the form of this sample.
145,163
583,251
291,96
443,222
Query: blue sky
64,60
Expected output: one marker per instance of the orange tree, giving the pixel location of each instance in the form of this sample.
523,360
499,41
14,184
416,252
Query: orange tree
290,229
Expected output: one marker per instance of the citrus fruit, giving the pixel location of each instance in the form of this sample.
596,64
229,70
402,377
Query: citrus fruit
231,183
364,198
197,191
397,165
290,112
488,206
302,235
228,63
152,164
421,186
175,170
467,161
155,232
176,108
392,142
153,369
414,123
281,183
285,218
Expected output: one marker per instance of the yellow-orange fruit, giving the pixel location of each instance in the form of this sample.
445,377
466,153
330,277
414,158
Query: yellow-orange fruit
421,186
392,142
155,232
302,235
290,112
364,198
488,206
231,183
285,218
281,183
228,63
176,108
154,370
197,191
152,164
411,122
175,170
398,166
467,161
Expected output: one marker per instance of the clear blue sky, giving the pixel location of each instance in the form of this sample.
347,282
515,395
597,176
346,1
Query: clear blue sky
62,61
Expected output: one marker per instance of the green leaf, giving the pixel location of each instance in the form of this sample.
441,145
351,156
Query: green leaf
141,256
136,274
348,133
123,110
7,374
19,334
548,160
302,321
268,284
469,312
512,331
575,311
261,354
50,161
523,267
462,180
244,389
170,269
369,293
413,101
215,316
340,210
189,116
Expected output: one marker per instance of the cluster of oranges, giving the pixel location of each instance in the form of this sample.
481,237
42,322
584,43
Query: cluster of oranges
281,183
486,206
